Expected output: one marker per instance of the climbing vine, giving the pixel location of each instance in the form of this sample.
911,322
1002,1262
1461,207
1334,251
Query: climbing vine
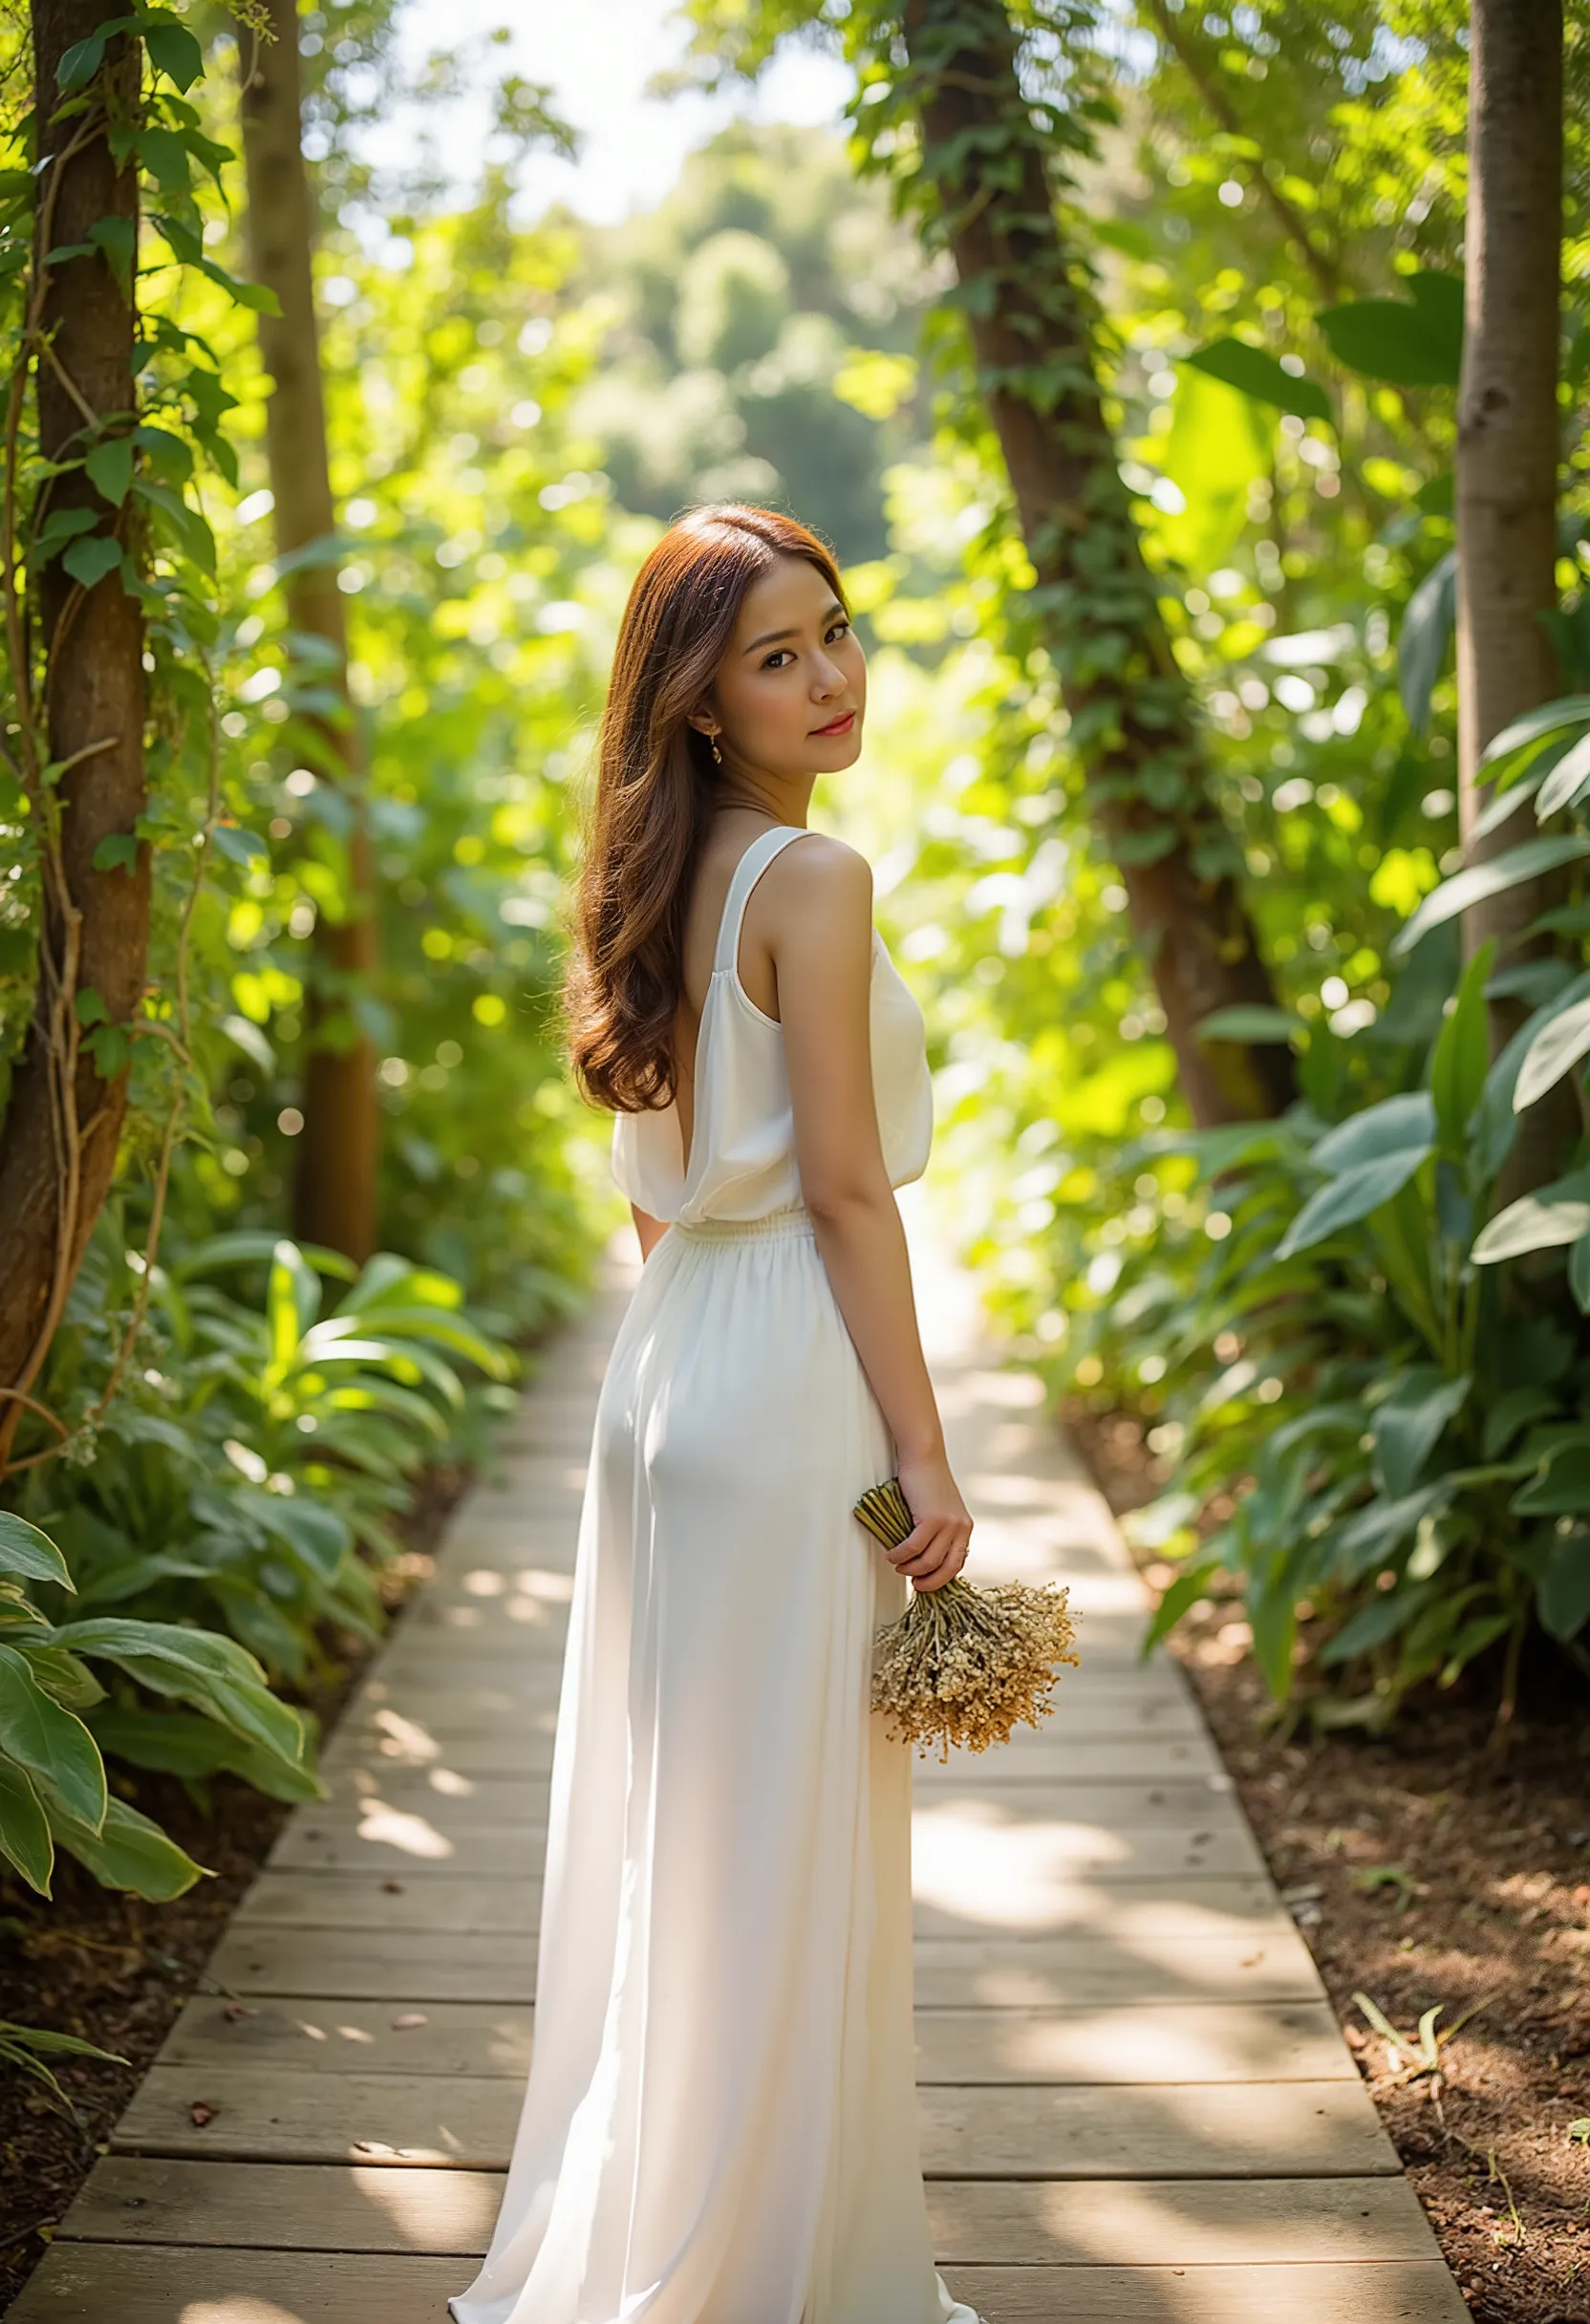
115,409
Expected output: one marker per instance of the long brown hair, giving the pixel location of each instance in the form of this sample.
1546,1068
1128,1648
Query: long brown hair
654,793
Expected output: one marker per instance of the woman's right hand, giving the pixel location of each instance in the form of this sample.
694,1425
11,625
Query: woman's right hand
934,1550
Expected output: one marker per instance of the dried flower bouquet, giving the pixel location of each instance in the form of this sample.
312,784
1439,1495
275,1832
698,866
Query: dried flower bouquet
963,1665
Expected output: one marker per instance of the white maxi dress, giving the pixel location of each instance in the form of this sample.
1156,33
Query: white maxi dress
719,2125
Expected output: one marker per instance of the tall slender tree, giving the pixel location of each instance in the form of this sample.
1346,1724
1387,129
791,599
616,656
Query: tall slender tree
1507,456
334,1195
75,653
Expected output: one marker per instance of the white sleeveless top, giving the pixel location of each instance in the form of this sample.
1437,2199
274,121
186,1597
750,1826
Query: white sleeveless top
743,1160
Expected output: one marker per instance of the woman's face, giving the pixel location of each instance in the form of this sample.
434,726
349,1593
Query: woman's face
790,693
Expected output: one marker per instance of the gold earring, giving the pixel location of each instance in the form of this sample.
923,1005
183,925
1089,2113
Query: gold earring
717,754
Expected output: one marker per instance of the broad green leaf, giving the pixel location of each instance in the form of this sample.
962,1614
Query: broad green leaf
212,1673
1533,1223
1273,1618
89,560
1563,1490
238,846
1374,1623
128,1851
1217,446
1426,632
50,1741
24,1827
1568,710
1510,1413
1352,1196
182,1743
1570,775
1496,1124
174,49
1504,802
1408,1424
1413,342
1556,1049
388,1279
1563,1594
110,468
1393,1126
25,1550
1466,888
79,63
317,1535
1252,1023
253,1243
1365,1539
1462,1055
1184,1591
292,1302
118,851
248,1038
1254,373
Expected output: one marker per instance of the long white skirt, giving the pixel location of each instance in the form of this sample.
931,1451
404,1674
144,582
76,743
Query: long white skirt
721,2125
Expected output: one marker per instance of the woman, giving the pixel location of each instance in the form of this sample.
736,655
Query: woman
719,2125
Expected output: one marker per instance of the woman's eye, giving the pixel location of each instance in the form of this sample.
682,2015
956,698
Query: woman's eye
838,630
777,657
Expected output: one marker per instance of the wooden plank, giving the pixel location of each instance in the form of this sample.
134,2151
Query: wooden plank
279,2206
415,1965
95,2283
1259,2130
365,1900
410,1840
525,1749
954,1843
86,2283
1153,1908
1268,1961
274,2114
1085,1759
1054,1972
330,2037
331,2207
1392,2291
1192,2042
453,1800
1048,1906
1182,2223
1139,2043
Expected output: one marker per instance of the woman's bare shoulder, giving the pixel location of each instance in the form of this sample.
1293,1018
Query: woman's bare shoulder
821,879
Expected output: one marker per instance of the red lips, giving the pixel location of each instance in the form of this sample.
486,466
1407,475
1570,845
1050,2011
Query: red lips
839,725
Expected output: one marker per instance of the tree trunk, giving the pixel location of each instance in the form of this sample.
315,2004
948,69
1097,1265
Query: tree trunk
1507,464
1130,708
334,1195
58,1144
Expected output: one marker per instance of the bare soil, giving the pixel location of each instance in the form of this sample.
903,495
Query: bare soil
1431,1869
116,1970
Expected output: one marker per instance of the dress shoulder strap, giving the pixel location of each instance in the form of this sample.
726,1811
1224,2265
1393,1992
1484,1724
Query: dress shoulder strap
746,873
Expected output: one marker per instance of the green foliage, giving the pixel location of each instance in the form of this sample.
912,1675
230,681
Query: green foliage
746,316
249,1477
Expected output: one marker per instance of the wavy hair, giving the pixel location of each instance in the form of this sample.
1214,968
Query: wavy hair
655,781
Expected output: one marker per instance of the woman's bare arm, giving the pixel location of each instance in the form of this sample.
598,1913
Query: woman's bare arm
650,1230
817,926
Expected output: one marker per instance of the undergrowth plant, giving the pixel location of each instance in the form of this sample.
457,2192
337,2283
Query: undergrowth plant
1407,1393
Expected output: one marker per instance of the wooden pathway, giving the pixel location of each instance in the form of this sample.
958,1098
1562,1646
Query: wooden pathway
1136,2107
